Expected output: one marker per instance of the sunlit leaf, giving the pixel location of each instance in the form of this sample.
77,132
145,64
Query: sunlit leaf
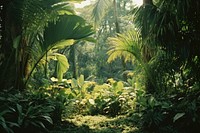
81,80
91,101
62,44
74,83
62,66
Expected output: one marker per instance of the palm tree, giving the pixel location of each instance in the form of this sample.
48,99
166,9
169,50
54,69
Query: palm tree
128,46
174,28
101,9
108,13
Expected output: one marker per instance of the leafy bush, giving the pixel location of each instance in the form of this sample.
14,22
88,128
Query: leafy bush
178,113
53,95
21,112
87,97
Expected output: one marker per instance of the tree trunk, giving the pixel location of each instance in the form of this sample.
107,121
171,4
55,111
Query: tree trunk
118,30
147,2
10,65
116,16
13,64
73,60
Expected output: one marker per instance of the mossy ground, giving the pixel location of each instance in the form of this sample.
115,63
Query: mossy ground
96,124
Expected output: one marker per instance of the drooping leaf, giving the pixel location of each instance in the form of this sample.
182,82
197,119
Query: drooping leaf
178,116
62,66
48,119
60,34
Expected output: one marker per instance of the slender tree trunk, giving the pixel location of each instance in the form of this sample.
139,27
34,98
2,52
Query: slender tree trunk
46,65
116,16
150,84
118,30
147,2
73,60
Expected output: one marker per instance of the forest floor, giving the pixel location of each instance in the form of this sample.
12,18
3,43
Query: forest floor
96,124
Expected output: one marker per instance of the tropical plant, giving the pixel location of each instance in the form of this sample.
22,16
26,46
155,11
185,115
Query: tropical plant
128,46
34,36
78,30
125,45
3,123
21,112
168,26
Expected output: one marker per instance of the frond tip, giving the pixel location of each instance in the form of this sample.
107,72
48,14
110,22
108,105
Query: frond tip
100,9
124,45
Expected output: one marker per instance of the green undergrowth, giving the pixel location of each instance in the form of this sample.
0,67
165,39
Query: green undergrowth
96,124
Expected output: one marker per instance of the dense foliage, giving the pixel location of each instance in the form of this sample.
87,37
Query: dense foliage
139,63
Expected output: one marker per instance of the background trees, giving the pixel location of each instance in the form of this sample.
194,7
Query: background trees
109,20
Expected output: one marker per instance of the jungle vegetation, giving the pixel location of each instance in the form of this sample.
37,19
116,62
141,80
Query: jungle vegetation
111,66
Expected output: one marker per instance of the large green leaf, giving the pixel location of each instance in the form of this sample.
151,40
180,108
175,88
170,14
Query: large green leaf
67,27
62,65
60,34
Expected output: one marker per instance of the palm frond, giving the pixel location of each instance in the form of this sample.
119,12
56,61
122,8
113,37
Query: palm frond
59,35
163,24
67,27
100,9
125,45
37,14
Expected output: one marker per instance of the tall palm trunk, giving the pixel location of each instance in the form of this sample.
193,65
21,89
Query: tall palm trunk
116,16
118,29
150,84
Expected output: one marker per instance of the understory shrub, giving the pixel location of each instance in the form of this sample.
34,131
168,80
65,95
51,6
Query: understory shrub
29,111
89,98
178,113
